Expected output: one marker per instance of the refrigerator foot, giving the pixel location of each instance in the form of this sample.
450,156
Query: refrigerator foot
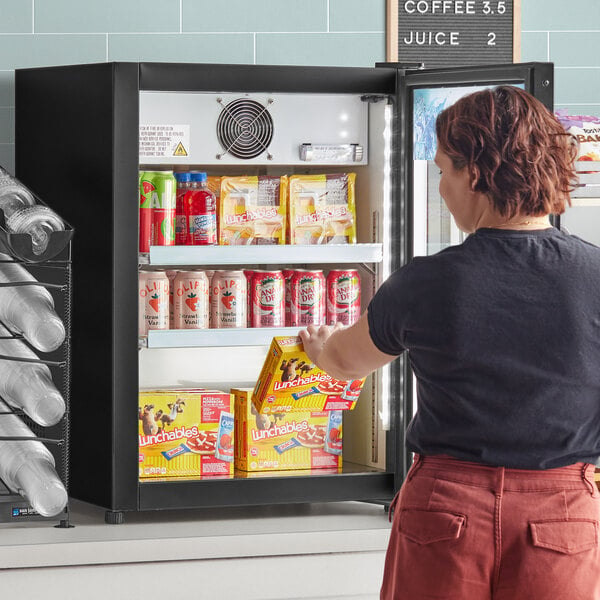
114,517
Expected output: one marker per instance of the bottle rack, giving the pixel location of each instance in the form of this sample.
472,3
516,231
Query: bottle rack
52,270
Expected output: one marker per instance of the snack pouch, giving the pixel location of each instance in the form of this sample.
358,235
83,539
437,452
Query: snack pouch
252,210
322,209
586,130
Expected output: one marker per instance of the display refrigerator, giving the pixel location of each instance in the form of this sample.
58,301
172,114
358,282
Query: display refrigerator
83,134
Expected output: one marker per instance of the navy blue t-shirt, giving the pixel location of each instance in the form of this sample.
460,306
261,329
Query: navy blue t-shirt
503,335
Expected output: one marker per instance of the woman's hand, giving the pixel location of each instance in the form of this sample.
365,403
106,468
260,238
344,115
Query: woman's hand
314,339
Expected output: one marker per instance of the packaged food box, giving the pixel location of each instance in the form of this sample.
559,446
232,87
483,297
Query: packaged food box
289,382
185,433
252,210
322,209
283,441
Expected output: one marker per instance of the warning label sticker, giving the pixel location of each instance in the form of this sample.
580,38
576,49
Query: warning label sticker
164,141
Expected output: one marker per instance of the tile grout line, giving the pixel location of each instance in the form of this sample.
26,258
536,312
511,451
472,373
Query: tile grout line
548,47
32,16
106,48
254,44
180,16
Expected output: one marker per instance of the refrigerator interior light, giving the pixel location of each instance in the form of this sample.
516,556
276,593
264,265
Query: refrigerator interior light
331,153
386,225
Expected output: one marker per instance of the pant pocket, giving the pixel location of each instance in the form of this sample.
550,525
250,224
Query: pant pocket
567,536
429,526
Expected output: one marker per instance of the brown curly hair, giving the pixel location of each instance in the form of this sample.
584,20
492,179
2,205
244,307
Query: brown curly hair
517,151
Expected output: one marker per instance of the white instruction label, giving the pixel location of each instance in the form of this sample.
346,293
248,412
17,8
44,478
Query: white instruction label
164,141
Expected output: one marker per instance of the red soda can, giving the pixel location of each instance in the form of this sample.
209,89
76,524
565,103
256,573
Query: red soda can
157,209
307,298
287,277
183,185
248,273
267,296
228,300
343,296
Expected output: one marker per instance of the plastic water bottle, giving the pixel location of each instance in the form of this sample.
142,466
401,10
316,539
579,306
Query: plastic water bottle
200,211
27,467
29,309
23,215
28,386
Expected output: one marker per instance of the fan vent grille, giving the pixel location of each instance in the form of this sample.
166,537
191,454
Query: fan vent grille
244,128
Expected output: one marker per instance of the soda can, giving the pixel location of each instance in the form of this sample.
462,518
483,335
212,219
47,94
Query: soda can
267,296
190,300
157,209
248,273
228,300
343,296
171,276
153,301
307,298
287,278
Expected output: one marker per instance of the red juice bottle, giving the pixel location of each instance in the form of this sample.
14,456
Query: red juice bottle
200,206
183,185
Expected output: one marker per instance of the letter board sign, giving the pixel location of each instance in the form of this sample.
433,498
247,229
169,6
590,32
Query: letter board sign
446,33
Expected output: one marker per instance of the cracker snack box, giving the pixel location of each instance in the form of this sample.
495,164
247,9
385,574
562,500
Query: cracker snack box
185,433
281,441
289,382
252,210
322,209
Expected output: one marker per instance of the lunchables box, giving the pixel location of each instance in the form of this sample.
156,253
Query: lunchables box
289,382
185,433
282,441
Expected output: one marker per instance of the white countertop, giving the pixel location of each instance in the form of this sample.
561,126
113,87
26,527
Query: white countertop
152,536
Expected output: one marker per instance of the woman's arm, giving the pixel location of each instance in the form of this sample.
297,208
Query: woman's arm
344,352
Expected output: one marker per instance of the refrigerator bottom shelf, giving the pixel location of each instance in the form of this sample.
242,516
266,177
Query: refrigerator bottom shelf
353,482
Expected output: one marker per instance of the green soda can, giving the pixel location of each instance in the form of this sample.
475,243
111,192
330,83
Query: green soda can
157,209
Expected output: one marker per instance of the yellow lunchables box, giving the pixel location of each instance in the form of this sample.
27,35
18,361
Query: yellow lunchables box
289,382
285,441
185,433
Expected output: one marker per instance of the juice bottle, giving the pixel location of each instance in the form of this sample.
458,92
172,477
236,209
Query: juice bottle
183,185
201,213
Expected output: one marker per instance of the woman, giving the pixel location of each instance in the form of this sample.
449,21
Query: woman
503,335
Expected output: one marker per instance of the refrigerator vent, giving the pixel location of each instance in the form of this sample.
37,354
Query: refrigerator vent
244,128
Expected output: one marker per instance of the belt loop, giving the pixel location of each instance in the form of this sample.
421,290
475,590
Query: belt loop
588,478
417,463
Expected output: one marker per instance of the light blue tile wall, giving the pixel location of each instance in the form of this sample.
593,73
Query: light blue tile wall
568,34
317,32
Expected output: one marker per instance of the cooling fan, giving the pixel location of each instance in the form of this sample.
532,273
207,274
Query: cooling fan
244,128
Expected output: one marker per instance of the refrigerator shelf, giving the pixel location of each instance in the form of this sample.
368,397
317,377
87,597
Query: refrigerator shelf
249,255
583,202
200,338
354,482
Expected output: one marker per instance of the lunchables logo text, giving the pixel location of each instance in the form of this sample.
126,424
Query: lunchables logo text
300,381
279,430
169,436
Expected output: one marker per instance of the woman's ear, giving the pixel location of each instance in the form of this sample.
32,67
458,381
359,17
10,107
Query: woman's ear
473,178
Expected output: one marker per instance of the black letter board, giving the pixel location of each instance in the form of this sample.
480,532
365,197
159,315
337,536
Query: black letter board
445,33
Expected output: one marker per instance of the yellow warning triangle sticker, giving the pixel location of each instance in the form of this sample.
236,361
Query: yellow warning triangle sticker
180,150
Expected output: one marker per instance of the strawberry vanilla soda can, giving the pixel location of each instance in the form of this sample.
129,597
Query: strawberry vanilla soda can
228,300
307,298
190,300
157,209
267,296
343,296
153,301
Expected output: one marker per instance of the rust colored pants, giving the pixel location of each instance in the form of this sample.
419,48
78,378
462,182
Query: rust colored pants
464,531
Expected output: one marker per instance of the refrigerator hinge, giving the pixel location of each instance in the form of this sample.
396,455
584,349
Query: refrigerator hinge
401,66
373,98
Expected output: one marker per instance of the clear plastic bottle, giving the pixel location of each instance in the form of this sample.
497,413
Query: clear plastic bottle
23,215
29,309
201,212
28,386
183,185
27,467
